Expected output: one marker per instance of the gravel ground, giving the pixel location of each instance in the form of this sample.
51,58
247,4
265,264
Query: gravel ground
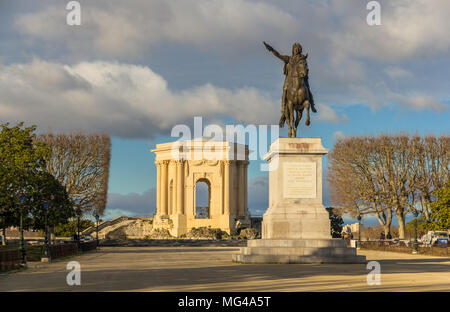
211,269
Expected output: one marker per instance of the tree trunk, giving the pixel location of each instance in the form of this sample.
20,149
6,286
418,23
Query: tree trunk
387,229
425,210
384,221
401,225
4,236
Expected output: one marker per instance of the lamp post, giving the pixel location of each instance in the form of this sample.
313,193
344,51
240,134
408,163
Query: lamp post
358,245
4,230
416,245
45,257
22,199
78,227
97,218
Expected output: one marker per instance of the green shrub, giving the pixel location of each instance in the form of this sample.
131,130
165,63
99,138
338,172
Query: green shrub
71,227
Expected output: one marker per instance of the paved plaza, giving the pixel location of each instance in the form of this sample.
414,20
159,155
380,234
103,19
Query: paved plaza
211,269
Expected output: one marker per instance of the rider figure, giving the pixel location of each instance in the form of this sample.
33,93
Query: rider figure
292,70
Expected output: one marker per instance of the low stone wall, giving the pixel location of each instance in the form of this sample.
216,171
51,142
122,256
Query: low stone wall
432,251
173,243
9,259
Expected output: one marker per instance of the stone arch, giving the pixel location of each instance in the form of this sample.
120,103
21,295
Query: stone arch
177,174
202,212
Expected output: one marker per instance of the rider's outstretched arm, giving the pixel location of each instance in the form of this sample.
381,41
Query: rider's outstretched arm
284,58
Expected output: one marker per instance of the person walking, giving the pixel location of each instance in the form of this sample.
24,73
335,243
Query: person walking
382,237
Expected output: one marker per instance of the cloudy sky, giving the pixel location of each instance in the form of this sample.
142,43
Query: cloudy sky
134,69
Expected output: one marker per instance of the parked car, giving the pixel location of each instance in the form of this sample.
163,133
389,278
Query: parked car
431,237
86,238
83,238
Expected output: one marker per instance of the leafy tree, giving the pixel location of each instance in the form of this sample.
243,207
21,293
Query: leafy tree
21,159
70,228
438,218
440,209
336,222
423,226
60,209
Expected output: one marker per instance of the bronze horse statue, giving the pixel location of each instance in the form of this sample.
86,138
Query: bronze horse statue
297,95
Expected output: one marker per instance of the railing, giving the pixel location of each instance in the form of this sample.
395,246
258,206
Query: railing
402,247
63,250
10,259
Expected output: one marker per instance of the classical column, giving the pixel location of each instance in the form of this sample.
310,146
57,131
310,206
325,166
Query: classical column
246,187
164,188
240,190
158,187
180,187
173,206
226,186
232,183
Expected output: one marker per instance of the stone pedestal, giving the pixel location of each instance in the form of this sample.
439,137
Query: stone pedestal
296,227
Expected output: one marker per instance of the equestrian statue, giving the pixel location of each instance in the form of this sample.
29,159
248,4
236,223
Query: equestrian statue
297,95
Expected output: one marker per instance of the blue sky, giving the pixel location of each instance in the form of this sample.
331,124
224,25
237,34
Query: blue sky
135,69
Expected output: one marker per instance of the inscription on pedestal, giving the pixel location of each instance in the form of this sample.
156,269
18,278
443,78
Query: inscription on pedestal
299,180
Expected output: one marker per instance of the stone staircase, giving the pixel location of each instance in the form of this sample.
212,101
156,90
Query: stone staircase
107,226
297,251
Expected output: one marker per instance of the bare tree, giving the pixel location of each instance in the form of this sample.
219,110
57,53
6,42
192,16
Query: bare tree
397,155
386,174
353,180
81,162
432,167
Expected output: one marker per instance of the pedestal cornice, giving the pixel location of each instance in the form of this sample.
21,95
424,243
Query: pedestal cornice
296,146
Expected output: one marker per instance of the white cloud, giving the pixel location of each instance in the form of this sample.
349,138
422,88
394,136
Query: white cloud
349,60
395,72
419,102
258,195
117,28
410,29
131,204
327,113
121,99
338,135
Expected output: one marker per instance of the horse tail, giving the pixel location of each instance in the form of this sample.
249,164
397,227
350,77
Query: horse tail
309,95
